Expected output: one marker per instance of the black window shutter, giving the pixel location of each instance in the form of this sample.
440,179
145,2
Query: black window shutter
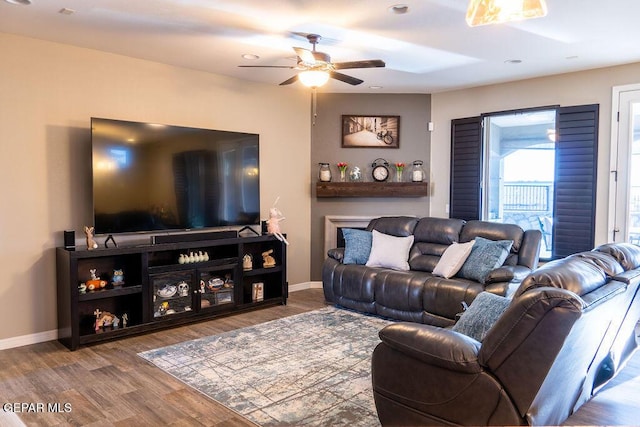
466,168
575,179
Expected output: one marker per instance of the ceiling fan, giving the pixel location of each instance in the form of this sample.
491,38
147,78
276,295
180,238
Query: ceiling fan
315,64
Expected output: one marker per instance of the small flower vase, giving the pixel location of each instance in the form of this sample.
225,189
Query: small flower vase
343,175
398,175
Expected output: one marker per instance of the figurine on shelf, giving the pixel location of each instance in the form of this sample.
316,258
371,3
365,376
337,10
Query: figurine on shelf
267,260
228,281
273,223
247,262
95,282
82,288
125,320
183,289
202,286
91,243
104,319
215,283
118,278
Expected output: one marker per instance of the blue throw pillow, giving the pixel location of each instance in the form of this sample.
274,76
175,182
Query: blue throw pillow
483,312
357,246
486,255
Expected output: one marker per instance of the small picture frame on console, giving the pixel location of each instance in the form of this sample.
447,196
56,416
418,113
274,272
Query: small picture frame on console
370,131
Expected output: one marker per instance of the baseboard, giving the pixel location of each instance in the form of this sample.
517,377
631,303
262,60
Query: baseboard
20,341
53,335
305,285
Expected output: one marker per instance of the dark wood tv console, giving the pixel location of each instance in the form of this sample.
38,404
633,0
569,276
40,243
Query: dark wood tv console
160,289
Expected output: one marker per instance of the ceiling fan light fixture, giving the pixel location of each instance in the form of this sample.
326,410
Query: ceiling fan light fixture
313,78
484,12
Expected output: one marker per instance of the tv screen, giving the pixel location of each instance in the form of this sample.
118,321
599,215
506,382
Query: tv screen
149,177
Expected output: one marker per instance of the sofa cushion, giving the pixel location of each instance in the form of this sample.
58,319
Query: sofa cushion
390,251
357,246
400,226
495,231
483,312
486,255
627,254
399,294
578,274
432,238
453,259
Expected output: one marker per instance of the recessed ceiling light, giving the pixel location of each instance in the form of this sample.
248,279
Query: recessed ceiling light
375,87
66,11
399,9
513,61
21,2
572,57
250,56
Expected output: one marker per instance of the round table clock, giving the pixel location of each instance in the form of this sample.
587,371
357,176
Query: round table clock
380,170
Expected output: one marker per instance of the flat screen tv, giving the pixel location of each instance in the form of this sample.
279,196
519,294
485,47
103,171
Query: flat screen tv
149,177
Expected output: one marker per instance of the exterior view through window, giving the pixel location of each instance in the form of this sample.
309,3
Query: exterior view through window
519,165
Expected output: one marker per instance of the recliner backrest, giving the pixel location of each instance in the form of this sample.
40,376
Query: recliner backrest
399,226
432,236
548,346
495,231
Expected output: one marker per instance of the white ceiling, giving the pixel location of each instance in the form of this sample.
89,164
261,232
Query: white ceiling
429,49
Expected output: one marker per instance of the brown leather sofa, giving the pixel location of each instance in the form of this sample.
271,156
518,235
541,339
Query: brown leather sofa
417,295
568,330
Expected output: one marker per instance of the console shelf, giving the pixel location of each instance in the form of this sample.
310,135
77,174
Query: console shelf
158,292
372,189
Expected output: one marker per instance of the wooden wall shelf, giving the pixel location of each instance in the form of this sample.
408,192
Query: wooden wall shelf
372,189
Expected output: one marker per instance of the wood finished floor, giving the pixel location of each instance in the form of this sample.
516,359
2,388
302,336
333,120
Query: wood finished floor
109,385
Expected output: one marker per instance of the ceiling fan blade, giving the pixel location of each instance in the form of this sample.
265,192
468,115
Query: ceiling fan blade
289,81
344,78
305,55
267,66
371,63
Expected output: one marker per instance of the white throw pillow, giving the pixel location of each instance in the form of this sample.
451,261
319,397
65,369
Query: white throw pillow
452,259
390,251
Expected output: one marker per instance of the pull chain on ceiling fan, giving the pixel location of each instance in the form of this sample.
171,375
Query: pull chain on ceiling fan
316,67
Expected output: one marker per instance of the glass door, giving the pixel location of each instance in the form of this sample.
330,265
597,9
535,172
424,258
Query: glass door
519,171
626,169
172,293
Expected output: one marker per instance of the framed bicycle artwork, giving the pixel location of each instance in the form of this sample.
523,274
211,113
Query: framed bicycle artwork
371,131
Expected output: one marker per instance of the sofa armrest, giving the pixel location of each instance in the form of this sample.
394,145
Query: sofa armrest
507,273
433,345
336,253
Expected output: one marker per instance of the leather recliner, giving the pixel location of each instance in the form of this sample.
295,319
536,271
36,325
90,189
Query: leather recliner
567,331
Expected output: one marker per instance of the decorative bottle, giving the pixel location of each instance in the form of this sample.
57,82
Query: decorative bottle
324,175
417,172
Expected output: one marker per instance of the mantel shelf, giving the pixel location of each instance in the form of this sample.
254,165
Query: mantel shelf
372,189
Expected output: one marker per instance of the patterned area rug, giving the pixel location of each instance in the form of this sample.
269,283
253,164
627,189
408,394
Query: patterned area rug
311,369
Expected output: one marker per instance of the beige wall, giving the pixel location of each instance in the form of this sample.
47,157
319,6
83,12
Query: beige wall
415,114
48,92
587,87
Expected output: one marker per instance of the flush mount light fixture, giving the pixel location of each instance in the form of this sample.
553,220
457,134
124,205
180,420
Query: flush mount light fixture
483,12
20,2
313,78
250,56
